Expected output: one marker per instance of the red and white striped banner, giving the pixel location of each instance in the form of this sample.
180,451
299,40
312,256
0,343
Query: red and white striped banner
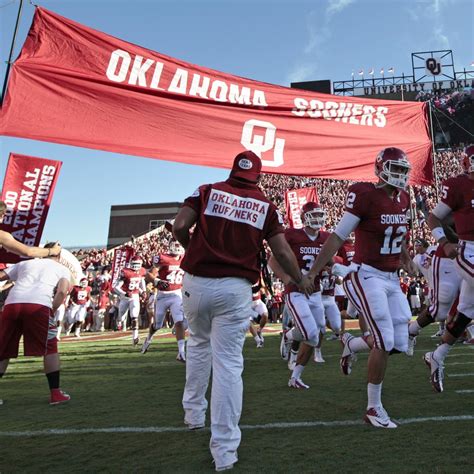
27,191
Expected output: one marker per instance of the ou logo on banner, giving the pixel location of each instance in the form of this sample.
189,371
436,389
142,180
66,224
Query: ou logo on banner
433,66
259,142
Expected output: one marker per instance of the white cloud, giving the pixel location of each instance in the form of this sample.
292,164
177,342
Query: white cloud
319,33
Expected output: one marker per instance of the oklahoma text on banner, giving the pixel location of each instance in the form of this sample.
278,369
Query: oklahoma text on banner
27,191
97,91
294,201
122,256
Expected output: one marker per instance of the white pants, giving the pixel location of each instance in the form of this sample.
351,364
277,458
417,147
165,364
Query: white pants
59,314
258,309
307,314
353,305
76,313
465,268
332,313
165,301
129,304
217,310
384,306
446,284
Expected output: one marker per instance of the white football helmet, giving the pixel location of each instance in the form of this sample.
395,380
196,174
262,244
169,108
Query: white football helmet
136,263
313,215
392,166
175,248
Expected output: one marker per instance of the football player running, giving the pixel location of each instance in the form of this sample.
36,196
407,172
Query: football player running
79,301
169,283
307,311
378,214
259,315
129,286
457,198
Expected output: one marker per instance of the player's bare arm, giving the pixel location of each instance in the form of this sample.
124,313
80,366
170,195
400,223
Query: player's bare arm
435,223
278,271
407,263
9,243
62,291
185,219
329,249
287,260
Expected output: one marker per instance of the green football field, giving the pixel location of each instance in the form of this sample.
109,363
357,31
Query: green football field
125,414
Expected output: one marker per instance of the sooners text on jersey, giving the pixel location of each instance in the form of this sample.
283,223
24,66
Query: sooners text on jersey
382,227
131,281
170,270
305,250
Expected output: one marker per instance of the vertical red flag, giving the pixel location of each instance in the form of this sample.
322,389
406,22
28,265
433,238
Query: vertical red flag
294,201
122,256
28,189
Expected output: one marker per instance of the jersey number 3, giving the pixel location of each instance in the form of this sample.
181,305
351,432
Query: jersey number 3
392,243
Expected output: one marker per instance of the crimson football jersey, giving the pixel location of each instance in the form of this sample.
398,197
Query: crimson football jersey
328,284
305,250
347,252
80,295
382,227
170,270
458,194
132,281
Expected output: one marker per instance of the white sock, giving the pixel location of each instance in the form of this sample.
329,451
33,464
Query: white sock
257,339
181,343
297,371
414,328
358,344
366,333
374,395
442,351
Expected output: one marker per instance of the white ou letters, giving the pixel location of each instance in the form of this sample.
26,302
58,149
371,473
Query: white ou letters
261,141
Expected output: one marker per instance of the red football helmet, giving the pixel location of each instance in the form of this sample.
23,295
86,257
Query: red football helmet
468,159
136,263
175,248
83,283
392,166
313,215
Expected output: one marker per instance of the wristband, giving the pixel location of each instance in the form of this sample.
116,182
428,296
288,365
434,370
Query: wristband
438,233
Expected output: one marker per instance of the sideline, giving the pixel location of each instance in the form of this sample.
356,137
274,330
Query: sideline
267,426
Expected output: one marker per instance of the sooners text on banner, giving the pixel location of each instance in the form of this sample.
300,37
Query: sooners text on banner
27,191
75,85
122,256
294,201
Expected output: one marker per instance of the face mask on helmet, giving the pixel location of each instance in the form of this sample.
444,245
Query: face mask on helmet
392,167
313,216
468,159
175,248
135,264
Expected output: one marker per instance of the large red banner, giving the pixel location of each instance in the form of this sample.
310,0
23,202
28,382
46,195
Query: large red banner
27,191
294,201
122,256
75,85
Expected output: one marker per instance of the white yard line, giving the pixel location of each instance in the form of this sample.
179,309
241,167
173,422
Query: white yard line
464,391
266,426
467,374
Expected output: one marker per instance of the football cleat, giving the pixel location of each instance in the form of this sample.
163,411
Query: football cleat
347,356
284,346
378,417
318,356
58,396
181,357
292,359
297,383
146,345
438,333
193,427
411,346
260,343
437,372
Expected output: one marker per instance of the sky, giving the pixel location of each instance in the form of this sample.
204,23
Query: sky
272,41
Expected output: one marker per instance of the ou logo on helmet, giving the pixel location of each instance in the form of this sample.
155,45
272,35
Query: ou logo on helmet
260,137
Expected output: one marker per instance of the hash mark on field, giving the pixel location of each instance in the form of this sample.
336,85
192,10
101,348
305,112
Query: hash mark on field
464,391
467,374
267,426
